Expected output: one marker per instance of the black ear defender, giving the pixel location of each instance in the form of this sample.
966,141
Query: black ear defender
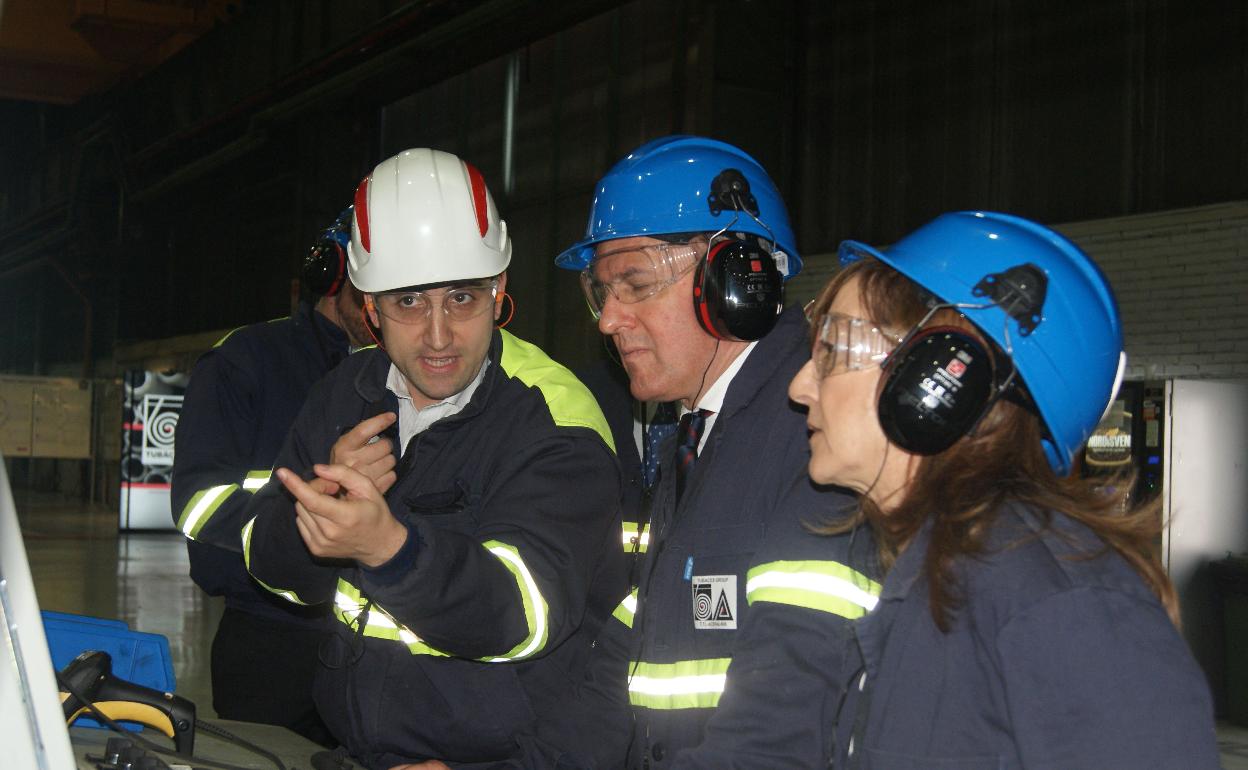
938,384
325,267
738,292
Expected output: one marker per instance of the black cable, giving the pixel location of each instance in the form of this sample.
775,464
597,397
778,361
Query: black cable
224,734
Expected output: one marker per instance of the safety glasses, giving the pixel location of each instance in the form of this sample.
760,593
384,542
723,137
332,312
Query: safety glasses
849,344
459,303
633,274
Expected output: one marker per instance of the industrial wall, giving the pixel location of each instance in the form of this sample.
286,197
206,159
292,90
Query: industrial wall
1181,278
182,202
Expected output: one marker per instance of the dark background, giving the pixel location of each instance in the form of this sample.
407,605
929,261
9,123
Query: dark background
178,196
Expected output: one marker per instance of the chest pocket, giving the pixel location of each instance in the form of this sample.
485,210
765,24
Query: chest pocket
888,760
451,509
715,573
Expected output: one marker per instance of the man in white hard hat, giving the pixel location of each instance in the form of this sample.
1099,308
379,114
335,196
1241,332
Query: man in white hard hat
455,494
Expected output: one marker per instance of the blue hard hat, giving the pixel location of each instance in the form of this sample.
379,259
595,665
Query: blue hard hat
667,186
340,231
1062,332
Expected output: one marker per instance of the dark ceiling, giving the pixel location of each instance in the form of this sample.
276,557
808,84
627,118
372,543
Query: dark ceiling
58,51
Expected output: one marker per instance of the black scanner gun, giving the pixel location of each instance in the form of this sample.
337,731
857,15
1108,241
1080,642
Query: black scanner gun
90,676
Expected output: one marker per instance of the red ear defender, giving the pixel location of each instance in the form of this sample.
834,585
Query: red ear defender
738,291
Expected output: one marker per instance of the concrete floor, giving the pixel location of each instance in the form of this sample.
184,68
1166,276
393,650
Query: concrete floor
82,565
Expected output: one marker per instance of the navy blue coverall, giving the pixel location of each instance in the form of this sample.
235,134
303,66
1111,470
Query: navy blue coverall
242,399
1060,657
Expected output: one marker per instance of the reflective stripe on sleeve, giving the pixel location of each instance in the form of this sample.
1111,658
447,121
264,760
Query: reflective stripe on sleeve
627,609
201,506
350,603
686,684
288,595
256,479
634,541
535,610
349,606
827,586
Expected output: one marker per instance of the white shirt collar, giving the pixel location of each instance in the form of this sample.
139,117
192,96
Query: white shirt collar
413,420
713,398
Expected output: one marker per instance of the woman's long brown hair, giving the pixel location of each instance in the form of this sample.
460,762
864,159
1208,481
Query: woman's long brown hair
1002,461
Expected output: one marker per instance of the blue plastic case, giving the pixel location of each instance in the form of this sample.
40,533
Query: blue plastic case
138,657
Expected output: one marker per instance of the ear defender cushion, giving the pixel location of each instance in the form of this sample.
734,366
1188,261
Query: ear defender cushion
738,291
938,385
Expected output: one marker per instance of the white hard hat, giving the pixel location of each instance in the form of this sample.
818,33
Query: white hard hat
425,217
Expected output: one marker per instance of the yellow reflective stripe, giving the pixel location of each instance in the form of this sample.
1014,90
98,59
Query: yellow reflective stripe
348,607
535,610
569,401
256,479
626,610
201,506
288,595
632,540
686,684
827,586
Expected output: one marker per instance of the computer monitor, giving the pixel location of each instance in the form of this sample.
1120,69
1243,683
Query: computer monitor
32,727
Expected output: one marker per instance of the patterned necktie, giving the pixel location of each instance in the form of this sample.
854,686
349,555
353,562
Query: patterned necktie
688,433
662,425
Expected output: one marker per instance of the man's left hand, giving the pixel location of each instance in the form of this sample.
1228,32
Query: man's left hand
356,525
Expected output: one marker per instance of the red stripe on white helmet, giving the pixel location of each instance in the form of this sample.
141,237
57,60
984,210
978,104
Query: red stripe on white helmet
361,213
479,204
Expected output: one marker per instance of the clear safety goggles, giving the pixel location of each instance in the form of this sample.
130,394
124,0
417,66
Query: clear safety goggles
849,344
459,303
636,273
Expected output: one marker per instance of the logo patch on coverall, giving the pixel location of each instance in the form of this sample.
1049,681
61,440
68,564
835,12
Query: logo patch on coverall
714,601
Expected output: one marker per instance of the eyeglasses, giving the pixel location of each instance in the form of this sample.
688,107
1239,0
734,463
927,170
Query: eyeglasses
459,303
637,273
849,344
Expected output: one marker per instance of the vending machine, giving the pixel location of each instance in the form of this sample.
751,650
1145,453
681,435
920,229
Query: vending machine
1187,441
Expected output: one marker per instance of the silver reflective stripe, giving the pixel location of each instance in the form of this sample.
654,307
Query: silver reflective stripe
684,684
534,604
632,540
256,479
203,507
825,584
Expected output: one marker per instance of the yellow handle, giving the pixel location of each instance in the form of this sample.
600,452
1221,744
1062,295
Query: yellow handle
129,711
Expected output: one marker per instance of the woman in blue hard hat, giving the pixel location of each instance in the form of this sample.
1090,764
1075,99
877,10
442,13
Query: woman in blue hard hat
1025,619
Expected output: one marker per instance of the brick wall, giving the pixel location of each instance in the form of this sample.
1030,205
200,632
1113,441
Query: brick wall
1181,278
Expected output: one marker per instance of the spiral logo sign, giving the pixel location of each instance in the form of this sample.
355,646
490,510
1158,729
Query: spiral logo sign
702,602
160,421
714,601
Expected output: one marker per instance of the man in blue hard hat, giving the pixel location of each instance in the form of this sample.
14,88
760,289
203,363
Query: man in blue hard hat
730,637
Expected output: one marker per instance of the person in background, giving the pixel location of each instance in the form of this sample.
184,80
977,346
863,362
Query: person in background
1025,619
640,430
241,401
